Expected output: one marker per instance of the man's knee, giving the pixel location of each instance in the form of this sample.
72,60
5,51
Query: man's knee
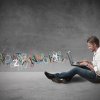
76,70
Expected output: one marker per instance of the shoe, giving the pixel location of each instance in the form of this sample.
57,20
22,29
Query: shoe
49,76
57,80
68,79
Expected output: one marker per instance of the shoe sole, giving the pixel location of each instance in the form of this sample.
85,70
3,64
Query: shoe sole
59,80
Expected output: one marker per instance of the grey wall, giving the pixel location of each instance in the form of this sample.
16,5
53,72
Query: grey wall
46,25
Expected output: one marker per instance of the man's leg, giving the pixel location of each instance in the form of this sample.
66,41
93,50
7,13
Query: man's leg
87,74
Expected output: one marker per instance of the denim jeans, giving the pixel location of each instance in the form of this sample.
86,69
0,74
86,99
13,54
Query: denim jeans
85,73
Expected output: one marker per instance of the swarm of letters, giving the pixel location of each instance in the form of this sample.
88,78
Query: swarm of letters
25,60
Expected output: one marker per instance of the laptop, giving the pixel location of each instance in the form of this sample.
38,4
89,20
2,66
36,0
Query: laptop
73,63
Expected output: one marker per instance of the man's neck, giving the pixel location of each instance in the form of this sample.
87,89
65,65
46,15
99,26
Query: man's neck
96,49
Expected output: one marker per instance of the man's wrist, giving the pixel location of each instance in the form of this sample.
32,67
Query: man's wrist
87,64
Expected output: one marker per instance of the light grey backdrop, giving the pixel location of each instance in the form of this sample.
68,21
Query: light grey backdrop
47,25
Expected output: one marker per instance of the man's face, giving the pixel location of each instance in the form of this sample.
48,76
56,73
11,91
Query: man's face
91,47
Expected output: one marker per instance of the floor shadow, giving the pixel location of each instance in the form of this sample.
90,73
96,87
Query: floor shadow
77,79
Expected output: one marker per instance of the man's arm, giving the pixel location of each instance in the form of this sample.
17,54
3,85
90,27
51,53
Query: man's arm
90,65
87,64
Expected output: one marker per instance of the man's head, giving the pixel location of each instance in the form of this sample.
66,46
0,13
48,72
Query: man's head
93,43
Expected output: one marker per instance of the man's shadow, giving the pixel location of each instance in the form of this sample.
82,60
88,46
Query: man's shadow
77,79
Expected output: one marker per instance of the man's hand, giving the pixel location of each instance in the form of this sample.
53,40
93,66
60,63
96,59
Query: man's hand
84,61
87,63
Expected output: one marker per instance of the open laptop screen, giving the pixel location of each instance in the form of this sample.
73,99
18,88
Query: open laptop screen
70,57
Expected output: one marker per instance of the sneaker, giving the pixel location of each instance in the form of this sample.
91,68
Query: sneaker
49,76
57,80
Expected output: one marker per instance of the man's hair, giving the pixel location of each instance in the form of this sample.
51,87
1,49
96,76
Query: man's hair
93,40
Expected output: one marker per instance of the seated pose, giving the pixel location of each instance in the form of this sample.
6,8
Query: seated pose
92,73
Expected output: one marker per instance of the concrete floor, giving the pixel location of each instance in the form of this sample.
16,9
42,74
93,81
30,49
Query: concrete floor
35,86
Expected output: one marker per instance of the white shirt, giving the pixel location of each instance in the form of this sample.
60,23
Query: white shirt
96,61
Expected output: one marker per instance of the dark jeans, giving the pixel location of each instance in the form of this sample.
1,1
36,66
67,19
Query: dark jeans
85,73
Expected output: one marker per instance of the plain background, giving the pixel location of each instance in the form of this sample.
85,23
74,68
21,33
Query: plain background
48,25
45,26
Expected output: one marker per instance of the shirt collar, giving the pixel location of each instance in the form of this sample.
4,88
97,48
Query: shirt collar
98,50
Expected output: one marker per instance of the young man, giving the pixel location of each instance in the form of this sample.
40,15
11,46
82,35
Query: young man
92,74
